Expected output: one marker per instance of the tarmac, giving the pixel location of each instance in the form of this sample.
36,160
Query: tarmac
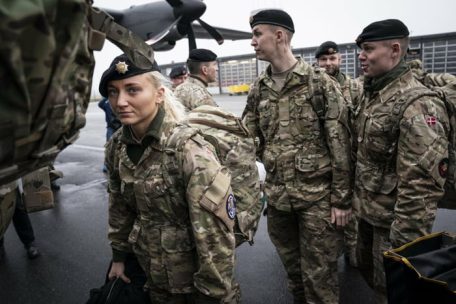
75,253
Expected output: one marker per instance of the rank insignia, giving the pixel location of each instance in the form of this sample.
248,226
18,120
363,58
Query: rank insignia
231,206
443,167
431,121
121,67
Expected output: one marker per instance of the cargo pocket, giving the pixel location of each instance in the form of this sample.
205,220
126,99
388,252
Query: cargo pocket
380,145
305,117
313,172
154,188
126,189
153,195
375,179
435,161
179,258
264,112
312,162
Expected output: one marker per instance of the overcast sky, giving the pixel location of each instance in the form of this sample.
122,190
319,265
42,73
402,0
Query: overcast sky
315,21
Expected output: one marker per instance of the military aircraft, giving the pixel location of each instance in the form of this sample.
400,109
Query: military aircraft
162,23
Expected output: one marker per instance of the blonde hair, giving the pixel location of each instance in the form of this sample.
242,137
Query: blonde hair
175,111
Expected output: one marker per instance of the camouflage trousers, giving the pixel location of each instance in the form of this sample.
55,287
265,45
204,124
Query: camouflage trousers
372,242
350,241
308,246
160,296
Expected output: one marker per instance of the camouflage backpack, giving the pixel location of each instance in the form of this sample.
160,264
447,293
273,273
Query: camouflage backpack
236,151
448,95
47,62
430,80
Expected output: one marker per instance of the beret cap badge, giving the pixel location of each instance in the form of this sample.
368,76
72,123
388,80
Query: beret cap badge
121,67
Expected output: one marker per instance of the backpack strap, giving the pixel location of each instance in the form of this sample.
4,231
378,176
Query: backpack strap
317,97
406,99
172,158
102,25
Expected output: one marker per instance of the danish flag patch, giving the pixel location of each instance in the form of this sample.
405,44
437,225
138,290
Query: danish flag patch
431,121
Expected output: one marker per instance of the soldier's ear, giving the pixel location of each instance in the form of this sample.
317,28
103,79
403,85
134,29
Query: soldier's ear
204,69
280,35
160,95
396,48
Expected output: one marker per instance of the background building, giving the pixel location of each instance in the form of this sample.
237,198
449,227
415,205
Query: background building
437,52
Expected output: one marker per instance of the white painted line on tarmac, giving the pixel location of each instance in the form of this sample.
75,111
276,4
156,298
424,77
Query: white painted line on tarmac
89,148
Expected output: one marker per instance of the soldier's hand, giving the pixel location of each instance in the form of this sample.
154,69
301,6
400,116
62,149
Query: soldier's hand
340,217
117,271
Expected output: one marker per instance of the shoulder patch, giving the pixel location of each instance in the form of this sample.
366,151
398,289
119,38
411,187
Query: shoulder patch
231,206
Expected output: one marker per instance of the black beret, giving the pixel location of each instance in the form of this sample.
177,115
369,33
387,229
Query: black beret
274,17
327,48
121,67
177,71
383,30
202,55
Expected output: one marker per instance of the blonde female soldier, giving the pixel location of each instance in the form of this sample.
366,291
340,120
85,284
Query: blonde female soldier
170,201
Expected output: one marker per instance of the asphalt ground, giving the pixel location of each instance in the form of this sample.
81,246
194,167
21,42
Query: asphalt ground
74,249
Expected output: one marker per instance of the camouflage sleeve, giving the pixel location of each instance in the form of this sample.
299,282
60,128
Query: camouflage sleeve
338,140
421,166
121,214
251,119
212,212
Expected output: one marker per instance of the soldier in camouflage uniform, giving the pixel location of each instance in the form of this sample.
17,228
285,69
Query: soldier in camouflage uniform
328,58
177,76
399,175
202,68
174,210
299,118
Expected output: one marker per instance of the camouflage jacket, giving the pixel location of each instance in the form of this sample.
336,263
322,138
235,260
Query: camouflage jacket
183,234
306,156
193,93
351,89
398,183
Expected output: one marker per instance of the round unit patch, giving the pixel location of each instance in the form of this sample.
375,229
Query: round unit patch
231,206
443,167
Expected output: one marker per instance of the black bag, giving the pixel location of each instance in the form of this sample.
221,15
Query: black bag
422,271
119,292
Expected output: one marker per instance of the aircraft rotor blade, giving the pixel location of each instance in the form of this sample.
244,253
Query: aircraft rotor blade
191,38
174,3
212,31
